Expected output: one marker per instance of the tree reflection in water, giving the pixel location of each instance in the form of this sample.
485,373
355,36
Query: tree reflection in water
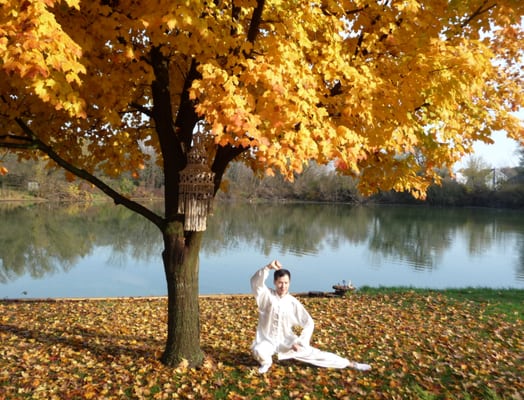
43,240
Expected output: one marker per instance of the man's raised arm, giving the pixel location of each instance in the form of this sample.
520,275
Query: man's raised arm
259,278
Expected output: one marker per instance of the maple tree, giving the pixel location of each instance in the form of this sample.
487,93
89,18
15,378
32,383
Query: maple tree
388,90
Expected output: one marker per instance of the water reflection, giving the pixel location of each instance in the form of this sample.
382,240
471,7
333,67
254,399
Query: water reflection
300,229
41,241
418,236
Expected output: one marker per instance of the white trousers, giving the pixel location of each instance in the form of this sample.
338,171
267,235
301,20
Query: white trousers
263,353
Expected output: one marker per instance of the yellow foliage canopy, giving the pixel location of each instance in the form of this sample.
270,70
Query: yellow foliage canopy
37,56
389,90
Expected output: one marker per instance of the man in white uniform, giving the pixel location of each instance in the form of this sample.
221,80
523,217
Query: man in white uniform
279,312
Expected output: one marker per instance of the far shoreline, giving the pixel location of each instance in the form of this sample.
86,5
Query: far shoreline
366,290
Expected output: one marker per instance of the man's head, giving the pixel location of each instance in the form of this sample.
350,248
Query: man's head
282,277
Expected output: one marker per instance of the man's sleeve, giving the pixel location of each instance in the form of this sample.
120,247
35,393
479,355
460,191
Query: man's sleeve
307,324
258,285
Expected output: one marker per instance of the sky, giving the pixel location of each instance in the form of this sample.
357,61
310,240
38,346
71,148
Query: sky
503,153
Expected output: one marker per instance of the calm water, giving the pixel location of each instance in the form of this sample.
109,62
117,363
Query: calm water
106,250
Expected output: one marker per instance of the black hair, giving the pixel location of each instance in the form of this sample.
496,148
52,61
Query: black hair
279,273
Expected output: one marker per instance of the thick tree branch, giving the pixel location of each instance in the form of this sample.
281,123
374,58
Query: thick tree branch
256,19
162,112
117,197
187,117
175,136
224,155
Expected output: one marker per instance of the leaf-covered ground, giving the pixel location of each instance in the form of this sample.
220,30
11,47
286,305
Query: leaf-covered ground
419,346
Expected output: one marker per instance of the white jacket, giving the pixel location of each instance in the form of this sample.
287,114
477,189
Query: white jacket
278,316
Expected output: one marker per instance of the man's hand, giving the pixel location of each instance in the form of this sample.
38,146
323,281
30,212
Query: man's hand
296,347
275,264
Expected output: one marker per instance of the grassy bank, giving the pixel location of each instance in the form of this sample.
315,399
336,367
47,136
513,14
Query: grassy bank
422,344
509,303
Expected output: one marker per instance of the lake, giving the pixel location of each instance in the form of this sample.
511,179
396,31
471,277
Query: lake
108,251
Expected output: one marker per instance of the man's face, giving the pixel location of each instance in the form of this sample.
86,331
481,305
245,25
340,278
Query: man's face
282,285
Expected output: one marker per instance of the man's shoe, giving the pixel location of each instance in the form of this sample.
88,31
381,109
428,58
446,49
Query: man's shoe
360,367
264,368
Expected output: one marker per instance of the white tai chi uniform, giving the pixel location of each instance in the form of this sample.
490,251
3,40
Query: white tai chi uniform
277,316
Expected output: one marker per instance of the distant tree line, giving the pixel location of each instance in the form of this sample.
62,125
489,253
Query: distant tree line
477,185
31,178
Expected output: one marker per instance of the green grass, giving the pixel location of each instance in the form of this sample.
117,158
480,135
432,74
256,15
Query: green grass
508,302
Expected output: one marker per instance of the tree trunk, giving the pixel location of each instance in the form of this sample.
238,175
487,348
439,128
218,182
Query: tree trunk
181,263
